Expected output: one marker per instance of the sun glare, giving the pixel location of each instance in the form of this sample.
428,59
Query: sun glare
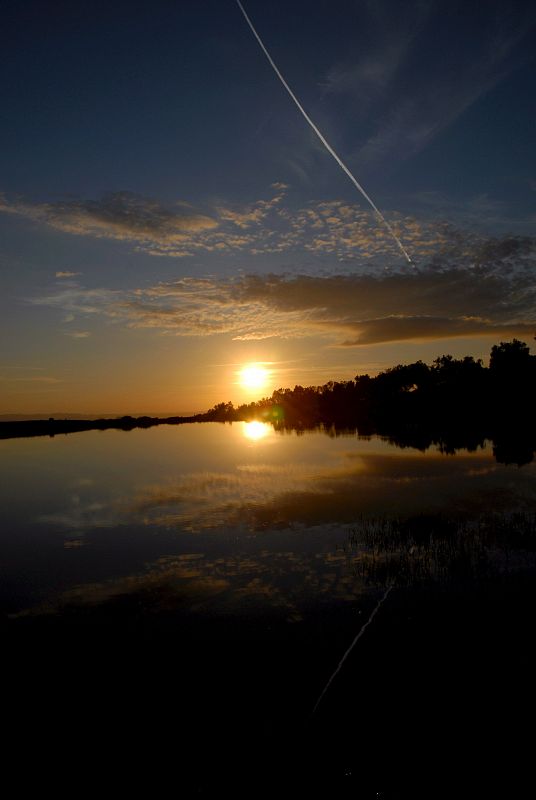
256,430
253,377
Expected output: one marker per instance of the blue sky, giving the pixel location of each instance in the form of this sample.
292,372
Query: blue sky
166,214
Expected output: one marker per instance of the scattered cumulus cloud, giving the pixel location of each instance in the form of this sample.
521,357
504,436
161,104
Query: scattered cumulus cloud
320,230
480,287
255,213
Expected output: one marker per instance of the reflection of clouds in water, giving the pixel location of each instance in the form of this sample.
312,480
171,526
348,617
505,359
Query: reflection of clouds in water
163,586
401,486
87,506
82,482
267,495
206,500
273,495
79,517
237,583
72,544
194,501
304,511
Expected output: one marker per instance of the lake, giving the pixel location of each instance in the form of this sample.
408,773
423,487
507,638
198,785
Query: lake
212,577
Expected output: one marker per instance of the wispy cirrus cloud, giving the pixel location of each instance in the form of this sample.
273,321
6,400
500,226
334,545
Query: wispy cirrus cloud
487,289
117,215
404,93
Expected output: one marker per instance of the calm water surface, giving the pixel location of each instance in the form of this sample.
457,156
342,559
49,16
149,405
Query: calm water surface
220,518
184,593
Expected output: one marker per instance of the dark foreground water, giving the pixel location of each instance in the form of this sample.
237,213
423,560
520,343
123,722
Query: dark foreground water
176,599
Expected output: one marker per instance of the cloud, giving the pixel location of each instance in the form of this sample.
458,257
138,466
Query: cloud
255,213
403,92
481,288
487,299
415,328
318,230
117,215
150,226
67,274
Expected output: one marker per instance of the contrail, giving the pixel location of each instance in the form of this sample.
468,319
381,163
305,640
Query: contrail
357,638
326,144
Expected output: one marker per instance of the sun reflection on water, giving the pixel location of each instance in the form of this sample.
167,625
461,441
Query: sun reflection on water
256,430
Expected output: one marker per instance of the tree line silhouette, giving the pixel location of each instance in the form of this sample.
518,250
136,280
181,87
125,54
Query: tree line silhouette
453,402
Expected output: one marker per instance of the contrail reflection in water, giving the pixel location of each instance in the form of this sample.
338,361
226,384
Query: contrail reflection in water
380,602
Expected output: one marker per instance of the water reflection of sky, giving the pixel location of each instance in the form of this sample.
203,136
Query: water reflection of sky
220,516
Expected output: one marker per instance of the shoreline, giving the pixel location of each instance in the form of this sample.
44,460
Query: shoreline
52,427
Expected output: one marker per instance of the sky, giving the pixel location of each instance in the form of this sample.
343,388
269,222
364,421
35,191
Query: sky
167,216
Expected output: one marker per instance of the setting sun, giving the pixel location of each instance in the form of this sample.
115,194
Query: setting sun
253,377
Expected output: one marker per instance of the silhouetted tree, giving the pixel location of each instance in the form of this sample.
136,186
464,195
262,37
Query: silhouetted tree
513,378
509,358
455,402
